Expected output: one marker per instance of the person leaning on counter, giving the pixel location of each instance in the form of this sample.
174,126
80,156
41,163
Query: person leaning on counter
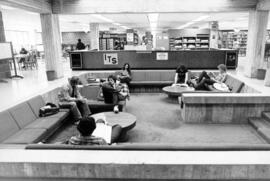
80,45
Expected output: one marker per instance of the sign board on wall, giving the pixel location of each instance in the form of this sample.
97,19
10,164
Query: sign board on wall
110,58
130,37
162,55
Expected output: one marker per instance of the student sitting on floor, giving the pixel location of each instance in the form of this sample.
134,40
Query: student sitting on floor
205,79
114,92
70,97
87,126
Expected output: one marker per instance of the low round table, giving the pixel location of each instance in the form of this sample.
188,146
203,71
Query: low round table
176,91
126,120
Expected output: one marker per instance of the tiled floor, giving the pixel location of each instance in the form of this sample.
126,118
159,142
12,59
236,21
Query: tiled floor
35,82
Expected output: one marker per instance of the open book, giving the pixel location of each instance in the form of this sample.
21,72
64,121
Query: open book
103,130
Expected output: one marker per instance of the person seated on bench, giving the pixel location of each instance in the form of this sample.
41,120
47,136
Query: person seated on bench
70,97
114,92
206,79
87,127
181,75
125,75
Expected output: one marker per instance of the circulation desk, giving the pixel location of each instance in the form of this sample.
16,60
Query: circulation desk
192,59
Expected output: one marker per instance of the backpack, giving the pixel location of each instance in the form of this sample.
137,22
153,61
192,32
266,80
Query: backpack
48,110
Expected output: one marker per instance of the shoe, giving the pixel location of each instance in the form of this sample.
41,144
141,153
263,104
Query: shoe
116,109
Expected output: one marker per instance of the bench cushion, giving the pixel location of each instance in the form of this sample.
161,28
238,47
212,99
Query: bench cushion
8,125
138,76
152,76
26,136
235,84
151,82
167,75
36,103
22,114
90,92
49,122
101,105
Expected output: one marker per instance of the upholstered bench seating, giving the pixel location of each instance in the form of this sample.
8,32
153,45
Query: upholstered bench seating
96,102
21,124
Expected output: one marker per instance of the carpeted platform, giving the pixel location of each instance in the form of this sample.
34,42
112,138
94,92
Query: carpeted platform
159,121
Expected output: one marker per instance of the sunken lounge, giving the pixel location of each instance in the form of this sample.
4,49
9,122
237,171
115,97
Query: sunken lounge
134,90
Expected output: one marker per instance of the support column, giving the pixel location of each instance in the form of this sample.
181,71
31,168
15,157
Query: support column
52,45
2,29
94,36
256,42
5,71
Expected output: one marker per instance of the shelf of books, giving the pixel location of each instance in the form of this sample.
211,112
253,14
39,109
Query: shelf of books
235,40
109,41
200,41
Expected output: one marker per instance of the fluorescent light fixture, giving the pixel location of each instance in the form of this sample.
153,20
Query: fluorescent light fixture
103,18
32,13
125,27
201,18
193,21
98,16
7,7
117,24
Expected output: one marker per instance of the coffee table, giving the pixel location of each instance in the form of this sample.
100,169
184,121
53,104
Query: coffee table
176,91
126,120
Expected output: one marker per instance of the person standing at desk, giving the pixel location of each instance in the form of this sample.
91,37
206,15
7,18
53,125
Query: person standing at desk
80,45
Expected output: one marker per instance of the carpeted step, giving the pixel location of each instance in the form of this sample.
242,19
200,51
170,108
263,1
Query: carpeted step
265,133
266,116
262,126
258,123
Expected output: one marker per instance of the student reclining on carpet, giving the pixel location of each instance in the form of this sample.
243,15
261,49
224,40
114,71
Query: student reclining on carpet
87,128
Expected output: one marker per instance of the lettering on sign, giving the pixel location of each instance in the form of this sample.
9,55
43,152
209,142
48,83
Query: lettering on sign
110,58
162,55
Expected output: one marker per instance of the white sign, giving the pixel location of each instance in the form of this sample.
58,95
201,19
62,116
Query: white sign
130,37
110,58
162,55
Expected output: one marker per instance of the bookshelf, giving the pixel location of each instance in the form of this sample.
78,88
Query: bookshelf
200,41
235,40
107,41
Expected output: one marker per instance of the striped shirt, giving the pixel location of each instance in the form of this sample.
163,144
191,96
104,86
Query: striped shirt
86,140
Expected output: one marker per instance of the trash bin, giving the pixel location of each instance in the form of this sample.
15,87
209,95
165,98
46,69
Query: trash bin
50,75
261,74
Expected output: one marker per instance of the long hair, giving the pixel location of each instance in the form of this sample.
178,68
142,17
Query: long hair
128,69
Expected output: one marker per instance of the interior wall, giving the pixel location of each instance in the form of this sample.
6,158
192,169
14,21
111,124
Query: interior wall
72,37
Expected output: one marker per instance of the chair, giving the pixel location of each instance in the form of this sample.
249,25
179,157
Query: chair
32,61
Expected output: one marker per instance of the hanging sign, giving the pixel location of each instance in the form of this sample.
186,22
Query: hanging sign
110,58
